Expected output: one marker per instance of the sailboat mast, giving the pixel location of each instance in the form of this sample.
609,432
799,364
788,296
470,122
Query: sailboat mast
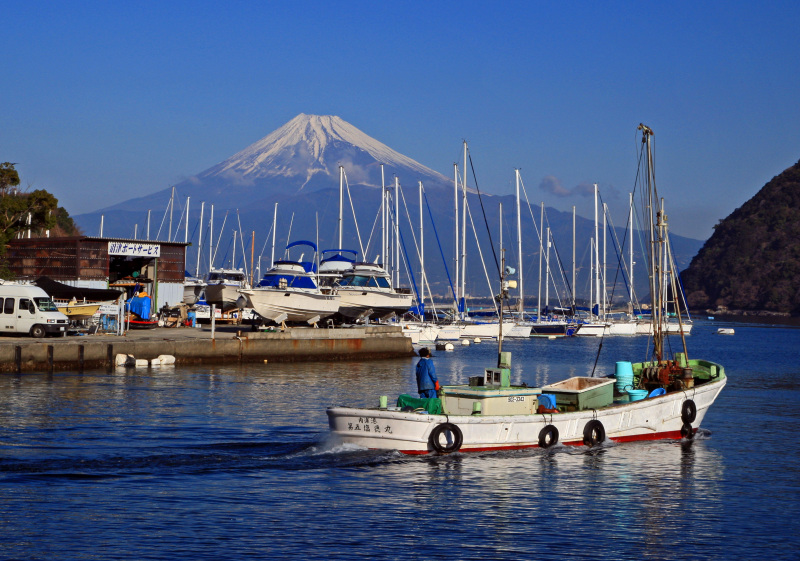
341,202
397,231
596,253
384,258
521,301
186,226
462,303
421,255
541,254
605,231
274,223
200,239
630,240
455,245
211,240
573,257
171,208
547,273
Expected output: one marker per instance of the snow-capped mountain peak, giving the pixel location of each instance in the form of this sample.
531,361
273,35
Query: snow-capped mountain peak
317,144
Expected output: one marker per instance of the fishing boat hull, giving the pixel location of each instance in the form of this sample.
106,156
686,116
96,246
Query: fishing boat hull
291,306
655,418
192,291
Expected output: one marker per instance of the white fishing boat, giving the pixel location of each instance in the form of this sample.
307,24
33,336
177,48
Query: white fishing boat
289,293
668,399
223,286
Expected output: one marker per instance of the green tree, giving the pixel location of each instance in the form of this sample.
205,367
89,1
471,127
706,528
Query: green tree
8,177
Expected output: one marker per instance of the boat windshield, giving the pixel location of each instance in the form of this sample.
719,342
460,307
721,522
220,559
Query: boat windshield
274,281
226,276
45,304
359,280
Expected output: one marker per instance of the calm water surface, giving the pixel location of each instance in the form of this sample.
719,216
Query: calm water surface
234,463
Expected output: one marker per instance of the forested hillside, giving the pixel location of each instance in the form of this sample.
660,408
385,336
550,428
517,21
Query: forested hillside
752,261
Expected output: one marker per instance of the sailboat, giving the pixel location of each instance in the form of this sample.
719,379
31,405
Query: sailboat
668,398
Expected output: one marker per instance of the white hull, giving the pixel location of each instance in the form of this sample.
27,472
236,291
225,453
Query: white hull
491,331
650,419
223,296
359,302
291,305
192,292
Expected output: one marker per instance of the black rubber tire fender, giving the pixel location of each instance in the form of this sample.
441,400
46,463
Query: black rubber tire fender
438,430
594,433
687,431
688,411
548,436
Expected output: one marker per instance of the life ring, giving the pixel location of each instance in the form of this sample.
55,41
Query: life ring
594,433
687,431
688,411
454,446
548,436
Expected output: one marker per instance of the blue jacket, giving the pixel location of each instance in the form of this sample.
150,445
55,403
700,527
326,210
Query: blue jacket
426,375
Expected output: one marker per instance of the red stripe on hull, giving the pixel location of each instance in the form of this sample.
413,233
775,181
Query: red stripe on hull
671,435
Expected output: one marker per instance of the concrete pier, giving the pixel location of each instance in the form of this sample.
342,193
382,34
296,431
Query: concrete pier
230,344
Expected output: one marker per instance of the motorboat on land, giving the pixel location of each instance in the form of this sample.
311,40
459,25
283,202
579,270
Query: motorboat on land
223,286
365,292
193,288
663,397
288,292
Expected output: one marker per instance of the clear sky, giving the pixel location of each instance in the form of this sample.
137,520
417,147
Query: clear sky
102,101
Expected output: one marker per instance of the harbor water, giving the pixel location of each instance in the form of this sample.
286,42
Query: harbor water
234,462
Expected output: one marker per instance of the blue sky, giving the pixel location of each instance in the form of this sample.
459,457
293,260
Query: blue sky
103,101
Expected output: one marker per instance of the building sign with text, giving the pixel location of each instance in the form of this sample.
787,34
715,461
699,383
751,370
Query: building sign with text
134,249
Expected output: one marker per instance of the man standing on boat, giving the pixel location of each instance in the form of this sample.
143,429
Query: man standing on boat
427,384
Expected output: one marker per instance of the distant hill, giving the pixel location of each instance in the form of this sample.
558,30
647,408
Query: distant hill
752,261
297,166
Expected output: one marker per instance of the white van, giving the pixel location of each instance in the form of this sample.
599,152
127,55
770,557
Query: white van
25,308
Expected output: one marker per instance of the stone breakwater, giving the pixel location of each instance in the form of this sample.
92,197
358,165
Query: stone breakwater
193,346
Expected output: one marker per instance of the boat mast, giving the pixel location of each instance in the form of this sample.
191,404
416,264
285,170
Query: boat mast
148,224
547,273
274,223
383,257
521,299
397,231
455,246
210,238
605,231
186,226
200,240
596,253
341,202
171,207
462,303
421,255
541,254
573,258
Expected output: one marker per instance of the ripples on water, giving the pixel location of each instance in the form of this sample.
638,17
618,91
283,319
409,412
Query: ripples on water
235,462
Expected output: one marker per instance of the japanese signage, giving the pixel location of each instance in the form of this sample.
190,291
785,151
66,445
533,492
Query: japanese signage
134,249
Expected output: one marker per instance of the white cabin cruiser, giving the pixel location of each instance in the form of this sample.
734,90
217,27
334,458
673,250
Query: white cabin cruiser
222,287
366,292
289,293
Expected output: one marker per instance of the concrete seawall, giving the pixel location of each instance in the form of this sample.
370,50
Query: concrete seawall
194,346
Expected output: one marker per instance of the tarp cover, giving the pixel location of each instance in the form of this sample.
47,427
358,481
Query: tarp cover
432,405
63,291
139,306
